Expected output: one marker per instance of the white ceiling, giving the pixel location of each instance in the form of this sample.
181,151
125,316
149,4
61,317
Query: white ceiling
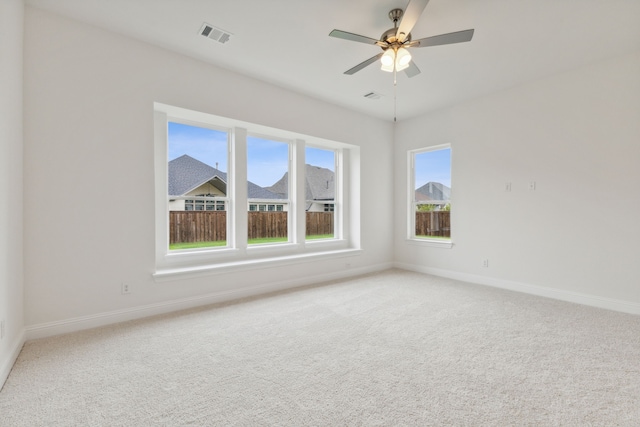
286,42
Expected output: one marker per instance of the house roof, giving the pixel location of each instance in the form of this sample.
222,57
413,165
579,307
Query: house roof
434,191
419,197
187,174
320,184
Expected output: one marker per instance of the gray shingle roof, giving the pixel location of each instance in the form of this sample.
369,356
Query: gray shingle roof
187,174
435,191
320,184
254,191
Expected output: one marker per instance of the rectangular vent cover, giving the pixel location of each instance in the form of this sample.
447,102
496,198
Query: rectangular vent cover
217,34
373,95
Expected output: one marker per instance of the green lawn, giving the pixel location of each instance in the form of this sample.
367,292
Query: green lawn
199,245
263,240
320,236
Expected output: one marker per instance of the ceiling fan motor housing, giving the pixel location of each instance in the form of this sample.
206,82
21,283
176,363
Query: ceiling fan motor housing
389,36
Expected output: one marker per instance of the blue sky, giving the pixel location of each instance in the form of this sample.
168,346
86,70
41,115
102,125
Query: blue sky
208,146
433,166
266,160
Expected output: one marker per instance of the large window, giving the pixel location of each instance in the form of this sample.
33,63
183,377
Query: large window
231,193
430,194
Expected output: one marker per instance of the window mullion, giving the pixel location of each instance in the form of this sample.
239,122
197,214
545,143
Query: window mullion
238,174
298,190
411,223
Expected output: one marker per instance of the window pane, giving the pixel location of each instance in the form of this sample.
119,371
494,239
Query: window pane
432,193
268,179
321,190
196,167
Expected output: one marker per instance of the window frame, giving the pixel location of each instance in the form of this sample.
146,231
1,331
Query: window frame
412,202
238,255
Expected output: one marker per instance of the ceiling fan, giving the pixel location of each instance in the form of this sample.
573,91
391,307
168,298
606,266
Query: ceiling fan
395,41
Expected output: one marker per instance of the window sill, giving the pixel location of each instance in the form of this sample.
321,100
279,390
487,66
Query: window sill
169,274
434,243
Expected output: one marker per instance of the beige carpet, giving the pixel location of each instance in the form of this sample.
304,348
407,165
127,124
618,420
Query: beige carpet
396,348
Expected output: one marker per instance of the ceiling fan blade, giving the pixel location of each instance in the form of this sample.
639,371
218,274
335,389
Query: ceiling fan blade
409,18
353,37
412,70
449,38
361,65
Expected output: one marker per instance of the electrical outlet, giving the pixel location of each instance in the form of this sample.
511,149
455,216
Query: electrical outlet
485,263
2,329
126,288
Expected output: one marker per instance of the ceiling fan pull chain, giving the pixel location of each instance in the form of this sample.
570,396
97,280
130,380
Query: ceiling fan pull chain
395,91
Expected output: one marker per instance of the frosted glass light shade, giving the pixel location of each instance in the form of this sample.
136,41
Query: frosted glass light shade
403,58
387,60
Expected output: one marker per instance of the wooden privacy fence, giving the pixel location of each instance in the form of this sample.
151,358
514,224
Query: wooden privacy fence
197,226
210,226
319,223
434,223
267,224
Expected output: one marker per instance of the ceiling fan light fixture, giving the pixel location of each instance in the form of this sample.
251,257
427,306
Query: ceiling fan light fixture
387,68
402,67
388,60
403,58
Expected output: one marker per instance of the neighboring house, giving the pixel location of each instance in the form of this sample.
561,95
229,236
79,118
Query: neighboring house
320,188
419,197
433,193
191,177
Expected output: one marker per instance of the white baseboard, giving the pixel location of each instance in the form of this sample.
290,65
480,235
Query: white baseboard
7,363
48,329
559,294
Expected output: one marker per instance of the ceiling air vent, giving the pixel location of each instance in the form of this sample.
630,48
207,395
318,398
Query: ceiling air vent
217,34
373,95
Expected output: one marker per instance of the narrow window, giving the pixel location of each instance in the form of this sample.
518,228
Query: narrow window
430,216
320,176
197,186
267,175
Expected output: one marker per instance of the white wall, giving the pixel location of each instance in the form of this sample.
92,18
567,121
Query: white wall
11,261
89,136
577,236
